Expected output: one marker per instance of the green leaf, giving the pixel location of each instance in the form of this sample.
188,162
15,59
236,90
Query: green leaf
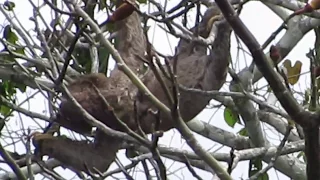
103,55
230,117
146,29
8,90
21,87
9,35
306,96
258,163
102,4
144,68
110,27
142,1
255,165
63,136
263,176
20,50
302,154
9,5
269,89
83,57
243,132
2,123
5,110
6,58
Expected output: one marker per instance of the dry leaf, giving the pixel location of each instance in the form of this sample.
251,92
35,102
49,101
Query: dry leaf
293,72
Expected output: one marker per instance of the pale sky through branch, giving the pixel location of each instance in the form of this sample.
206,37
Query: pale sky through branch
261,22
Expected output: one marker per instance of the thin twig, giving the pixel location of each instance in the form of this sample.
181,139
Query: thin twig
273,159
190,168
123,170
68,57
13,165
231,162
146,170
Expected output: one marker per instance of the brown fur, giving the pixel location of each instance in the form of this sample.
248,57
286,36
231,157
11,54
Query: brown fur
195,69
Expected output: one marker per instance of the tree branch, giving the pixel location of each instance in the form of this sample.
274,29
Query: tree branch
296,112
13,165
285,97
